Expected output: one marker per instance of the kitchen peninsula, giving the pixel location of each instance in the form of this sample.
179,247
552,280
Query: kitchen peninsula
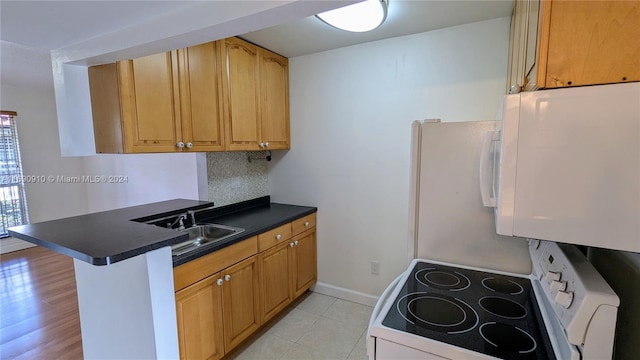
125,268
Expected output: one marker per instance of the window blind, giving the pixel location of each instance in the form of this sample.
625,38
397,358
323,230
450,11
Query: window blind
13,203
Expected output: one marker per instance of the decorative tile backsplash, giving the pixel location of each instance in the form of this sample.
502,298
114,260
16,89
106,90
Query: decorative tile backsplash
232,178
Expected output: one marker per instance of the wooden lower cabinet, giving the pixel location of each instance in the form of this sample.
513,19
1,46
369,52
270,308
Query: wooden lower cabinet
217,313
303,263
199,310
286,271
249,287
240,302
275,284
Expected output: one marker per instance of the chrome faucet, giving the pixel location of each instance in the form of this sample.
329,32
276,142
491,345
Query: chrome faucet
192,213
179,220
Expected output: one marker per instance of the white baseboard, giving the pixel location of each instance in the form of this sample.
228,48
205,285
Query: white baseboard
345,294
11,244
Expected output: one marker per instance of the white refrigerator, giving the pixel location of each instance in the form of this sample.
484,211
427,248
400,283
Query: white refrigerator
448,220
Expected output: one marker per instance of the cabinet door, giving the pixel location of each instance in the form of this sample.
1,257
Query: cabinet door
240,302
303,262
590,42
199,312
274,84
150,103
275,285
241,89
201,96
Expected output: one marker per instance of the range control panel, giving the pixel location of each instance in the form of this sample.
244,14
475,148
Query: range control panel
572,286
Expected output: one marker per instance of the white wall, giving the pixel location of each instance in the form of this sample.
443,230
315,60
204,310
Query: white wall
40,150
351,111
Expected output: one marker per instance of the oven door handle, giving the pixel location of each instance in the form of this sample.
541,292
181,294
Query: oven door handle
376,311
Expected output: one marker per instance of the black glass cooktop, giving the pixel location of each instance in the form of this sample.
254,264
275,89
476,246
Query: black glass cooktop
483,312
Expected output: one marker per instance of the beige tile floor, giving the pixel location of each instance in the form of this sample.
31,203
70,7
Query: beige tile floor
316,327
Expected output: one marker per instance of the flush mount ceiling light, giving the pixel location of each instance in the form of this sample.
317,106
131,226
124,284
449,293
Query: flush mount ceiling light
360,17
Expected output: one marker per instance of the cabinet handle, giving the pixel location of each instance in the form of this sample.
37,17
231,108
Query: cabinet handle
295,243
266,144
227,277
180,144
306,224
189,145
291,244
278,237
261,145
219,282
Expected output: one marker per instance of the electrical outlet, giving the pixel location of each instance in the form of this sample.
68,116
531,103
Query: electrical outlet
375,267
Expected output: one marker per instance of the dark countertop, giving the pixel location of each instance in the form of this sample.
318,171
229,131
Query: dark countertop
107,237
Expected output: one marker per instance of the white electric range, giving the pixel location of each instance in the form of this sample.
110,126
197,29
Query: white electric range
563,310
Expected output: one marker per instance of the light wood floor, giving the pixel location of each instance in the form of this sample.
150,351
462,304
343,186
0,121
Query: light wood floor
38,306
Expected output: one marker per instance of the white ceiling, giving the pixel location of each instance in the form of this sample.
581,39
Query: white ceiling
310,35
42,26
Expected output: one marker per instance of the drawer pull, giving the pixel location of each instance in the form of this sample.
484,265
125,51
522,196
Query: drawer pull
291,244
306,224
278,237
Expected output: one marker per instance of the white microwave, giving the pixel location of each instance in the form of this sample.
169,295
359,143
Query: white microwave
564,165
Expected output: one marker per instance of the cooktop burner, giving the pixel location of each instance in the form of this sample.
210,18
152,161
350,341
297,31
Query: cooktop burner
507,338
503,307
504,286
483,312
438,312
442,279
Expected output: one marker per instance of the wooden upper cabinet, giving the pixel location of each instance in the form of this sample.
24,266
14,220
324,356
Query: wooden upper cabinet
150,102
201,96
241,88
225,95
274,84
256,95
135,105
159,103
572,43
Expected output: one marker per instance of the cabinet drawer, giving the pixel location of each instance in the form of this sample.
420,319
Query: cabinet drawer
302,224
273,237
198,269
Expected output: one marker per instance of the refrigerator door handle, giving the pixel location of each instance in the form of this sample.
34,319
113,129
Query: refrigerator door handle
485,186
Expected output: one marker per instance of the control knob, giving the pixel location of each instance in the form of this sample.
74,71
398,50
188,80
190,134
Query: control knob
558,285
564,298
552,276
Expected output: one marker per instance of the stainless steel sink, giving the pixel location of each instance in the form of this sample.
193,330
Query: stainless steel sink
203,234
